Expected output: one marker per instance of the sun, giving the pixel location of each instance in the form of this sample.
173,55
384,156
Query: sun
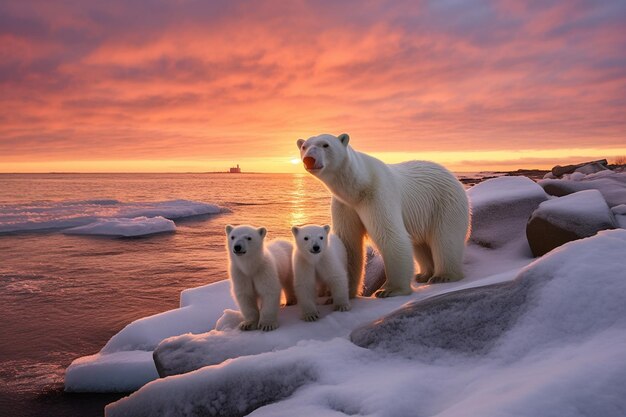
295,161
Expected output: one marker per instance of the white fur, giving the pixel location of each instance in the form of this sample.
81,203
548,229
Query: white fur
257,274
319,256
412,209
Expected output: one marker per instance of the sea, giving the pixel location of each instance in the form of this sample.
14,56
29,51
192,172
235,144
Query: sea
63,296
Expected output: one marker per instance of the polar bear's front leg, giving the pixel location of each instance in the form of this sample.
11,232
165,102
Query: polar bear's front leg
388,233
304,283
268,287
348,226
247,301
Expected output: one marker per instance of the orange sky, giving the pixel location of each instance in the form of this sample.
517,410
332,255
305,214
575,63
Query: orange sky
93,86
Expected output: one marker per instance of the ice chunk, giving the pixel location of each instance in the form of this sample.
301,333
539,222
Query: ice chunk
45,215
200,309
117,372
137,226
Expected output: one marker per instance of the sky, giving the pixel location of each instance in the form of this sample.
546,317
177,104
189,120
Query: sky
186,85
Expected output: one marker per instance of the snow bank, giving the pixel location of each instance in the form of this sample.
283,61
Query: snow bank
47,215
126,371
611,184
137,226
107,370
563,355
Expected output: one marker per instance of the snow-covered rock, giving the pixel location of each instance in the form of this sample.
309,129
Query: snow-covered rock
500,209
563,353
611,184
561,220
137,226
58,215
620,215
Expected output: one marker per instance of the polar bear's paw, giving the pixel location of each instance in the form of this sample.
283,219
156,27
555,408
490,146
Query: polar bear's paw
423,278
442,279
311,316
247,325
386,292
342,307
268,326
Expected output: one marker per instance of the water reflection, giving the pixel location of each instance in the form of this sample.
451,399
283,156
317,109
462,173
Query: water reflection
297,215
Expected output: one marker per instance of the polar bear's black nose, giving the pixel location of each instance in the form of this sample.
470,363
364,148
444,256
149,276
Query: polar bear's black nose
237,248
316,248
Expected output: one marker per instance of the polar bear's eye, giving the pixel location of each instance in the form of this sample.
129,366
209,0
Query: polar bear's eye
321,237
249,238
232,238
306,238
326,145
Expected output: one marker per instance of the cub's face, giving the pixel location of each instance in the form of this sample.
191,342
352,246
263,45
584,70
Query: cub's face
311,240
244,240
323,153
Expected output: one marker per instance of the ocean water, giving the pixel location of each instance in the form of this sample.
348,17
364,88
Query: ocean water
64,296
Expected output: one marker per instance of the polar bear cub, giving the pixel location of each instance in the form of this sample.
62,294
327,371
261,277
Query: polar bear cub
319,256
258,273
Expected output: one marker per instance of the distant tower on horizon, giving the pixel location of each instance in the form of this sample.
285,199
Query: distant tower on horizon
236,170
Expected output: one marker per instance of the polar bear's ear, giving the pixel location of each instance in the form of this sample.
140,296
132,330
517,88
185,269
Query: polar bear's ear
300,142
344,138
295,230
262,231
229,229
327,228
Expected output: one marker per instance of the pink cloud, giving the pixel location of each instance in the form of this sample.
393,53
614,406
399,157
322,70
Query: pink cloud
87,79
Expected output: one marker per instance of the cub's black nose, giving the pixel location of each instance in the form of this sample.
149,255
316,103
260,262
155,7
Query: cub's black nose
316,249
237,248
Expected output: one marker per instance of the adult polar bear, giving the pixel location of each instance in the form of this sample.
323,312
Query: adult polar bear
413,208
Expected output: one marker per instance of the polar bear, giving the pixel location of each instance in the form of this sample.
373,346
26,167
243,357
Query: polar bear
414,208
319,256
258,273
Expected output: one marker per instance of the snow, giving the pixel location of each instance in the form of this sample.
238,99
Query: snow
581,211
611,184
564,354
199,310
137,226
46,215
504,189
127,371
620,215
501,208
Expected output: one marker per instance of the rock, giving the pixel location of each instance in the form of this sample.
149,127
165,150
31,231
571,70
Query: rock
374,272
571,292
561,220
620,215
500,209
467,321
611,184
568,169
591,168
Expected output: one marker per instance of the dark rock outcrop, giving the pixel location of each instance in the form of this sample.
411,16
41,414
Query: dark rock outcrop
562,220
584,167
